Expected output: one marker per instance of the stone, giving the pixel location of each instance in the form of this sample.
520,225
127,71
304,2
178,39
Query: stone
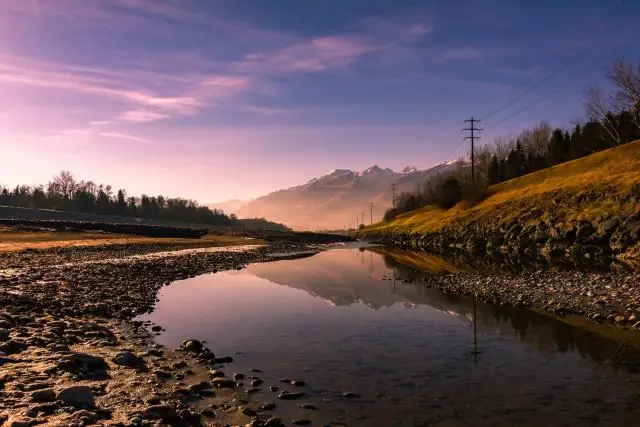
273,422
290,395
5,360
160,412
79,395
307,406
217,373
162,374
43,395
12,347
236,376
4,334
298,383
348,394
620,319
82,361
267,407
192,346
128,359
204,385
256,383
302,422
223,383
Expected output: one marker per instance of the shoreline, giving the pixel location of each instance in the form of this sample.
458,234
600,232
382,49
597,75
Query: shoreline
52,313
74,355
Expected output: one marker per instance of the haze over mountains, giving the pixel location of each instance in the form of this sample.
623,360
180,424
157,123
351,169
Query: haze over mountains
335,199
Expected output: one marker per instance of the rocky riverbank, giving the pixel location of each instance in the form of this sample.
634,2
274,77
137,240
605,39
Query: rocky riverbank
72,356
603,238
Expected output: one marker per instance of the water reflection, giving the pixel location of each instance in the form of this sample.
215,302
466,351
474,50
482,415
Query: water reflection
389,282
349,319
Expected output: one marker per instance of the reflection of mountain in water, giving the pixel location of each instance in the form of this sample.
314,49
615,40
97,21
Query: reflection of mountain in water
345,277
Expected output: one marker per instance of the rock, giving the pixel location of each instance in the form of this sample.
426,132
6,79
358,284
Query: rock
236,376
5,360
620,319
256,383
77,362
307,406
273,422
43,395
79,395
290,395
267,407
160,412
248,412
156,328
597,317
298,383
217,373
301,422
162,374
4,334
223,383
204,385
128,359
192,346
12,347
348,394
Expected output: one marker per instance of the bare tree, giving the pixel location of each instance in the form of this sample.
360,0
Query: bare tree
626,80
598,108
503,145
536,140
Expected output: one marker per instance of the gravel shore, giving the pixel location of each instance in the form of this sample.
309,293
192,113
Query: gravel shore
70,354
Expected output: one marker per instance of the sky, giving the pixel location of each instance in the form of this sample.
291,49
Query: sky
222,99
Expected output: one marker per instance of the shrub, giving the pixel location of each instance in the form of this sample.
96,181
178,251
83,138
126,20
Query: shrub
449,193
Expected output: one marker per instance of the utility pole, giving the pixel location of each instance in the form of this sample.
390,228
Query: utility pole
394,200
371,207
472,128
362,216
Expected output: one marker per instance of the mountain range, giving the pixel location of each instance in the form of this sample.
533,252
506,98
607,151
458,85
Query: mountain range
335,199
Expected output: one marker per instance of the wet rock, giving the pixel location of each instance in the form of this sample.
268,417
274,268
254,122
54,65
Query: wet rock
302,422
298,383
248,411
290,395
348,394
256,383
192,346
77,396
217,373
223,383
267,407
43,395
4,334
236,376
307,406
6,360
130,360
620,319
274,422
204,385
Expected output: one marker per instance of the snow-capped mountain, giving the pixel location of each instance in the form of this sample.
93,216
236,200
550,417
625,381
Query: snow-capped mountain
338,197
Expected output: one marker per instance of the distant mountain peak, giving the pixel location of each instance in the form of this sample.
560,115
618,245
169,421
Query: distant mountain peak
409,169
334,172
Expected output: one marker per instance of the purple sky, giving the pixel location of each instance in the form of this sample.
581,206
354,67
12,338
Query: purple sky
214,100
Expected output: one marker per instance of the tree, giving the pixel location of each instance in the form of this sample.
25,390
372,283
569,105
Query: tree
449,193
598,108
494,174
626,81
121,202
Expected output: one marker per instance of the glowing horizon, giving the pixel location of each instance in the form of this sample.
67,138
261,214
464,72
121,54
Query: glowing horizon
231,100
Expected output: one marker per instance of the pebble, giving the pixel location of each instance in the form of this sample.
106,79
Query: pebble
44,395
79,395
223,383
290,395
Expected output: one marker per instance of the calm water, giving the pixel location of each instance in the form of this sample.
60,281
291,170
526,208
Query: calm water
339,321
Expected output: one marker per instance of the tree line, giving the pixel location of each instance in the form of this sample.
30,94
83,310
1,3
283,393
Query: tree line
64,193
612,119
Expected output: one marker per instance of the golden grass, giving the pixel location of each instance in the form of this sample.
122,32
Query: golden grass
580,189
423,261
16,240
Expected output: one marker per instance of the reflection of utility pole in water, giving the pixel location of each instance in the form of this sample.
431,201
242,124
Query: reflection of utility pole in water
393,283
370,263
475,334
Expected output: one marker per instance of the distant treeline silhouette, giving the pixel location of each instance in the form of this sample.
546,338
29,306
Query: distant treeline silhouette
64,193
613,119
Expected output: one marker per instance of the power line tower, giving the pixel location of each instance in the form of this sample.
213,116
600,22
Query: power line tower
394,196
362,216
371,208
473,137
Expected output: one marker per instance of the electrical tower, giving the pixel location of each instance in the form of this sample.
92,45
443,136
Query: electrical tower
362,216
371,207
394,197
473,137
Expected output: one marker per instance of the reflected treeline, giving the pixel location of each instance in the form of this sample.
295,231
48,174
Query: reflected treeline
459,261
346,277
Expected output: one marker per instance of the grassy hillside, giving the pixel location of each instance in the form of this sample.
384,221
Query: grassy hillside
605,182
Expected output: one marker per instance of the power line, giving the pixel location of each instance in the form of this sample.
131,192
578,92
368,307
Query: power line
546,98
556,70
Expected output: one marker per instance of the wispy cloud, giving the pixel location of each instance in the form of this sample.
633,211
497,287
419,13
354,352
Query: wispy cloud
123,136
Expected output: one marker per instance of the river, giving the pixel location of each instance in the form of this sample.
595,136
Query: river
346,320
